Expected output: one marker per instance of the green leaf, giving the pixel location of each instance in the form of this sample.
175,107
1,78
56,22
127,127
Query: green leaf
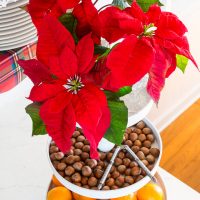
119,120
145,4
70,22
120,3
100,49
38,125
124,91
120,93
181,62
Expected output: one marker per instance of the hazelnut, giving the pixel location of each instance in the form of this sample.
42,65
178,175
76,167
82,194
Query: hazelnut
150,167
155,152
86,186
53,149
59,155
133,164
126,162
133,137
53,143
129,179
92,181
77,166
94,188
78,184
138,178
143,173
128,172
55,163
145,150
61,166
151,137
114,187
147,144
150,159
102,156
84,180
98,173
68,178
86,142
70,152
109,156
86,148
128,130
80,138
121,168
135,171
106,187
142,137
113,168
77,158
119,181
146,130
118,161
128,155
73,140
70,160
85,155
115,174
91,162
77,152
53,157
140,155
145,162
76,134
140,125
110,182
125,136
137,130
135,149
129,143
76,178
121,155
69,170
126,185
79,145
61,173
101,163
138,143
86,171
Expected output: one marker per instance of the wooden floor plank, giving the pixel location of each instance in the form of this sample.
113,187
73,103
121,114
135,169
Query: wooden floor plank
181,141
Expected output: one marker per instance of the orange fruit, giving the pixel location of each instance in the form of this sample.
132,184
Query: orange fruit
79,197
59,193
128,197
55,181
151,191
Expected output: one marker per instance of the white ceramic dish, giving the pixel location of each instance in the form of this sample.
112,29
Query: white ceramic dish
5,12
19,39
112,193
17,34
19,16
19,3
16,25
13,22
21,44
12,14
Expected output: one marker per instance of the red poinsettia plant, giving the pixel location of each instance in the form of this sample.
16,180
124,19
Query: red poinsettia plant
78,79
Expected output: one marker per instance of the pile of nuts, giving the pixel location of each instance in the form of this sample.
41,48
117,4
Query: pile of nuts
77,167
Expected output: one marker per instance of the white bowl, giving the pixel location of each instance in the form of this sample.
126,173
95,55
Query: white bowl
118,192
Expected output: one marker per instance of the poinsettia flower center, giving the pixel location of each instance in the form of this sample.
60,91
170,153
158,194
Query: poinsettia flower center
74,84
149,30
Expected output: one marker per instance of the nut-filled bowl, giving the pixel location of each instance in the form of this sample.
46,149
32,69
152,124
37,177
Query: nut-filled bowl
128,187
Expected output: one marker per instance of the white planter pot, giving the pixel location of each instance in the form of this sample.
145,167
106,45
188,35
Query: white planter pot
99,194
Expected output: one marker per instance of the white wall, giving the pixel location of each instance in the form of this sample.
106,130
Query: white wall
181,90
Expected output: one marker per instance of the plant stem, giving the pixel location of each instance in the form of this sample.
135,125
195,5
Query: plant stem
104,7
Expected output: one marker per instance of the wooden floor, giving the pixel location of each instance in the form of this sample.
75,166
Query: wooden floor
181,141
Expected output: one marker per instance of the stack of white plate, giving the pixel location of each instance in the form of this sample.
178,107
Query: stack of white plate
16,27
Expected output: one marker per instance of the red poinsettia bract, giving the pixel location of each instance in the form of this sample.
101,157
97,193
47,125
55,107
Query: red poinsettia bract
164,32
39,9
67,97
88,20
